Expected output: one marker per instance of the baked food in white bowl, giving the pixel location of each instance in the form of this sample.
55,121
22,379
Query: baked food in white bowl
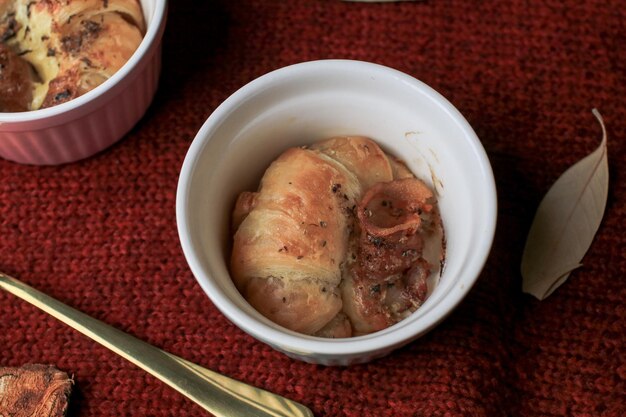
340,240
300,105
75,75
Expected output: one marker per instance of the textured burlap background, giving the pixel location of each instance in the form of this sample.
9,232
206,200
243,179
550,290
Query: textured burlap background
100,234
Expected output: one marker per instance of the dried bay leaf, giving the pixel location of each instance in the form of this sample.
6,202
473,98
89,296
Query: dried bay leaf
566,222
34,390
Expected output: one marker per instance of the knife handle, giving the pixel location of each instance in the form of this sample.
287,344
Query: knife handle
216,393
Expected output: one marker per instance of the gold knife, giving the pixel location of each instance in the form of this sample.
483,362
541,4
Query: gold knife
216,393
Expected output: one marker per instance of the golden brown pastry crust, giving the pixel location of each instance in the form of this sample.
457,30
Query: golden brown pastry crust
359,155
73,45
288,248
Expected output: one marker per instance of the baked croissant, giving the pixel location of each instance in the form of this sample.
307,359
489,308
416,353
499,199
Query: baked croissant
72,45
293,238
332,243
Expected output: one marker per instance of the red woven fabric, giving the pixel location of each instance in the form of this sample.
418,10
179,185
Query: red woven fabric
100,234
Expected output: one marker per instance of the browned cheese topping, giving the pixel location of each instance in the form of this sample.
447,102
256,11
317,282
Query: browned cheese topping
57,50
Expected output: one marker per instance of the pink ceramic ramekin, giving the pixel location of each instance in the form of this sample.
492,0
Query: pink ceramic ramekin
88,124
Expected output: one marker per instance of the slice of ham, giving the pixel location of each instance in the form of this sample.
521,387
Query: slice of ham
387,280
391,207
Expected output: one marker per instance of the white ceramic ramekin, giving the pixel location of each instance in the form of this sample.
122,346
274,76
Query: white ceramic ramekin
88,124
303,103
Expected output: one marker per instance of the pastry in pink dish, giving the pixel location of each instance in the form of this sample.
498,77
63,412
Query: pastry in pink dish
75,75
